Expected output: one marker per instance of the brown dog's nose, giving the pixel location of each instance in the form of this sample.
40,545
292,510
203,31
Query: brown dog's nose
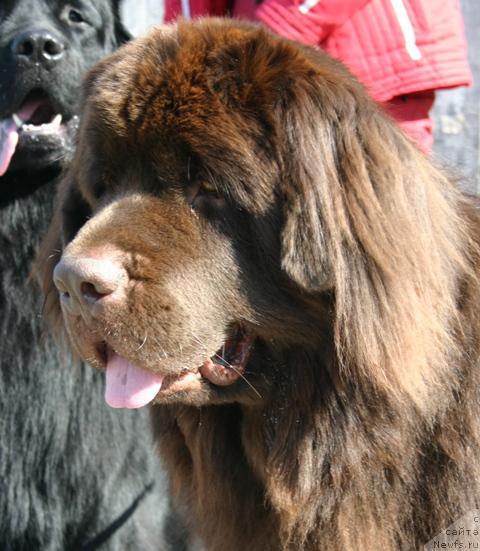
83,282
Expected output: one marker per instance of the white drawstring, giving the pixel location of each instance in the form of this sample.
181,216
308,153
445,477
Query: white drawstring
407,29
307,5
402,17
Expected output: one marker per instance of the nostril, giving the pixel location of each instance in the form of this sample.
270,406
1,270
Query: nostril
89,292
38,46
84,284
53,47
25,48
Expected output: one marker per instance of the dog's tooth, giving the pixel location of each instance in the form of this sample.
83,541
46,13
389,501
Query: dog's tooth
17,120
57,120
54,124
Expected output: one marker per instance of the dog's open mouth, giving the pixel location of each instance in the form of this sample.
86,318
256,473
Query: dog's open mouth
34,118
129,386
37,114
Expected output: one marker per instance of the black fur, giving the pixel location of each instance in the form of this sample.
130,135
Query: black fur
73,474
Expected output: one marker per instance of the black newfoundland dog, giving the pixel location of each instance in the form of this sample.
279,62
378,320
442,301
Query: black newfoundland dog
73,473
261,254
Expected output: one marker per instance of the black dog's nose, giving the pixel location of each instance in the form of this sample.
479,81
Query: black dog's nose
38,46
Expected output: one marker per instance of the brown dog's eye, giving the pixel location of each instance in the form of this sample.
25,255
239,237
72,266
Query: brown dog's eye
203,195
208,187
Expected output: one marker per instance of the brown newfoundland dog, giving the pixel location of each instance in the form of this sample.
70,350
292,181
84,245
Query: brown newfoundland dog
253,247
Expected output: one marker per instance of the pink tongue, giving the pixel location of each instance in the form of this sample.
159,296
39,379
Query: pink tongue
128,386
8,143
9,134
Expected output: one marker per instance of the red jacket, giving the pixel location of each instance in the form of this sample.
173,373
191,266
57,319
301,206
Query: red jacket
395,47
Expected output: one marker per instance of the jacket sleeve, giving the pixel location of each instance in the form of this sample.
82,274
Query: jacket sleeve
307,21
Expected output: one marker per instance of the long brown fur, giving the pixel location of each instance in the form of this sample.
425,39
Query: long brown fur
352,257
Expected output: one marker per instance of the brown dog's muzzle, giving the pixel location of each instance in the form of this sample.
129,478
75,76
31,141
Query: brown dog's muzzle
157,326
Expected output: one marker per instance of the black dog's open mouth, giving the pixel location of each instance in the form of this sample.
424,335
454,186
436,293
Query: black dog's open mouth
34,122
37,114
129,386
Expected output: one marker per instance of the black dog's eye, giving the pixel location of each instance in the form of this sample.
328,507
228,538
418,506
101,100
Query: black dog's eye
73,15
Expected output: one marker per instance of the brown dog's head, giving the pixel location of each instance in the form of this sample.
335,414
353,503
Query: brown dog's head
235,194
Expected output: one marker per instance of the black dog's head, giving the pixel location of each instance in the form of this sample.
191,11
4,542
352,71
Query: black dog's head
46,46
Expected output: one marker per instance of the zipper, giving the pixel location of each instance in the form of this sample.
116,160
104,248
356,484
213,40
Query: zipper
186,9
307,5
407,29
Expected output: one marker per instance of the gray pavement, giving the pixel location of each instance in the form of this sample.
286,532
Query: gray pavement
457,113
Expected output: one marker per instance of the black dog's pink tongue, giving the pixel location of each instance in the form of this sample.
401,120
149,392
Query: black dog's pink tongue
8,143
9,132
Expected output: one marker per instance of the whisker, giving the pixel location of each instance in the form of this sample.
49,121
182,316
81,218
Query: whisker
229,365
44,304
199,342
143,343
157,342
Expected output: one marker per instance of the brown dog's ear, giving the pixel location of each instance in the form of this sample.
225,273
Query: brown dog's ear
304,246
71,211
321,110
304,238
344,158
368,216
47,258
